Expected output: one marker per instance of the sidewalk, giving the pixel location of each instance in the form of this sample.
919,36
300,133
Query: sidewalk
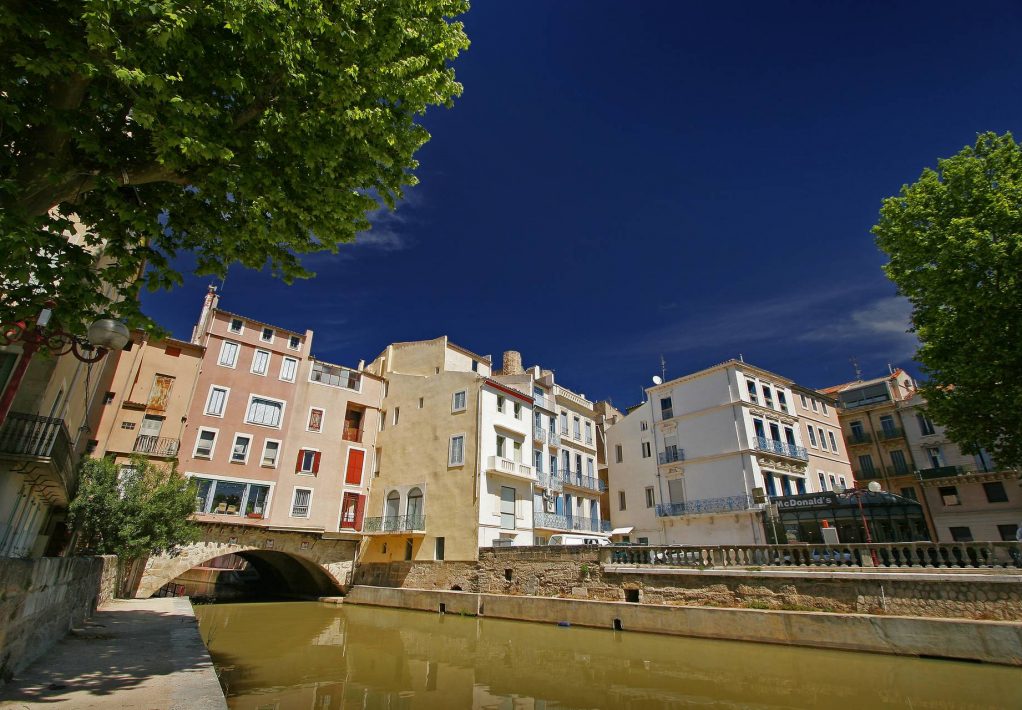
134,653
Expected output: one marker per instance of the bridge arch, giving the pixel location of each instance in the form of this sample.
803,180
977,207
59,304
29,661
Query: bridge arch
293,561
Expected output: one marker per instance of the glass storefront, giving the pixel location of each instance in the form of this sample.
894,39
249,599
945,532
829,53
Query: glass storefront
889,517
231,498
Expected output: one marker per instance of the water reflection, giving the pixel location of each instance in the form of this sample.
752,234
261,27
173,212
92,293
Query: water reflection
315,656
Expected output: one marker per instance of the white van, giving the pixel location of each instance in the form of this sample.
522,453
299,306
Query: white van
569,539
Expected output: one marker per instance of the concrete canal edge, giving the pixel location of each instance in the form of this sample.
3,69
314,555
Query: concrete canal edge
957,639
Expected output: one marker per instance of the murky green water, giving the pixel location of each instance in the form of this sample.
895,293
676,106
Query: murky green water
316,656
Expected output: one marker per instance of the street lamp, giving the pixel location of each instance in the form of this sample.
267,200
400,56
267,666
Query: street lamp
104,335
858,494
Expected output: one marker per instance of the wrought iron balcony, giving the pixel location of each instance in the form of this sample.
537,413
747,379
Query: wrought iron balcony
858,438
156,446
553,521
891,433
42,437
394,523
548,480
539,434
941,472
589,439
672,455
577,480
782,448
704,506
546,403
554,438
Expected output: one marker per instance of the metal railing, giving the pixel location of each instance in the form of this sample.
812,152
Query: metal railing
553,521
578,480
546,403
941,471
539,434
862,438
941,555
781,447
156,445
891,433
554,438
548,480
703,506
394,523
46,437
589,439
671,455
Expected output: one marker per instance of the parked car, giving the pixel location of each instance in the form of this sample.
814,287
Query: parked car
569,539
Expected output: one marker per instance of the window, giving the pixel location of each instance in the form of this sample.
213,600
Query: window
409,549
857,433
812,437
621,503
833,441
995,492
649,496
229,354
294,342
264,411
589,432
909,492
805,402
128,425
619,454
898,462
844,484
823,440
501,445
239,453
339,377
507,508
204,443
355,467
866,464
553,465
925,425
260,362
288,369
422,402
643,425
458,402
645,450
236,325
782,401
564,423
537,460
315,419
352,508
934,456
397,415
221,497
576,427
823,480
666,408
216,402
824,406
308,461
271,450
833,482
589,468
751,387
949,495
439,555
500,403
960,534
768,397
518,410
517,451
887,425
456,453
475,366
301,502
1008,532
813,402
266,335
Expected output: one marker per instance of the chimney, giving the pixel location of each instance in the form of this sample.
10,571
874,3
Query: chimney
209,304
512,363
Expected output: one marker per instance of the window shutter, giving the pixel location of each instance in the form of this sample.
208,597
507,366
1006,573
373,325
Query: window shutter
353,473
360,509
298,463
315,462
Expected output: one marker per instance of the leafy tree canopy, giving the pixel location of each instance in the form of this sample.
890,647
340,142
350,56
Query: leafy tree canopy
131,511
954,239
257,130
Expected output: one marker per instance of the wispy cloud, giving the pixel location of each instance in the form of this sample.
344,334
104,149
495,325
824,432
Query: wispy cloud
391,231
883,322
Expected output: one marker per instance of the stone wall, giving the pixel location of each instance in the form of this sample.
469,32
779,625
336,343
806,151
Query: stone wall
575,572
42,599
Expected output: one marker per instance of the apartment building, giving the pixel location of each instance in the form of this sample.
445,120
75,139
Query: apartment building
568,489
695,462
275,437
821,432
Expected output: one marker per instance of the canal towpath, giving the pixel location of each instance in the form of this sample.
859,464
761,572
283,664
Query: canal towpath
133,653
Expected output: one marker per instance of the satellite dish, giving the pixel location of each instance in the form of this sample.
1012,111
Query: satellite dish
658,380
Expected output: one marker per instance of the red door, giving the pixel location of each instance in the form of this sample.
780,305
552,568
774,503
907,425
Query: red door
353,472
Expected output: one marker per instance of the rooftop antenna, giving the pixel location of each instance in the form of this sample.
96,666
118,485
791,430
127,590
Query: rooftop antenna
890,368
663,368
741,358
855,365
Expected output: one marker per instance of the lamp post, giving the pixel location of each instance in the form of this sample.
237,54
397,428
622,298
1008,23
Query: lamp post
104,335
858,493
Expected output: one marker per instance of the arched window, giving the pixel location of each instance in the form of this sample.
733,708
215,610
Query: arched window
414,508
393,504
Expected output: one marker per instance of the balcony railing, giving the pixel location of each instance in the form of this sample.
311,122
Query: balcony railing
858,438
781,447
394,523
573,398
672,455
703,506
589,439
578,480
539,434
512,468
941,472
554,437
548,480
553,521
156,446
45,437
546,403
891,433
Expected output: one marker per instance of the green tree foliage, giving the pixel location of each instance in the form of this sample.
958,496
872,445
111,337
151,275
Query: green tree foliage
131,511
260,129
954,239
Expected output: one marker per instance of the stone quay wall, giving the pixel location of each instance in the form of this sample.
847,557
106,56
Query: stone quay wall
42,599
576,572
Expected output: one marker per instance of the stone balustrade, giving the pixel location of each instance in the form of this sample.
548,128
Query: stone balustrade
970,555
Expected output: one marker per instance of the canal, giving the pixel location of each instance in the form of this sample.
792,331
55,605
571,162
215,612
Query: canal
307,655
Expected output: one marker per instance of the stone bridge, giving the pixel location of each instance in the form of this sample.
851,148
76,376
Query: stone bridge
291,561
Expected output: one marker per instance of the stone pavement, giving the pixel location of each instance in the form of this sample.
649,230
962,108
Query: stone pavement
137,653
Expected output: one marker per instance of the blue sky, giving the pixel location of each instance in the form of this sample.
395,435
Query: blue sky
622,181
